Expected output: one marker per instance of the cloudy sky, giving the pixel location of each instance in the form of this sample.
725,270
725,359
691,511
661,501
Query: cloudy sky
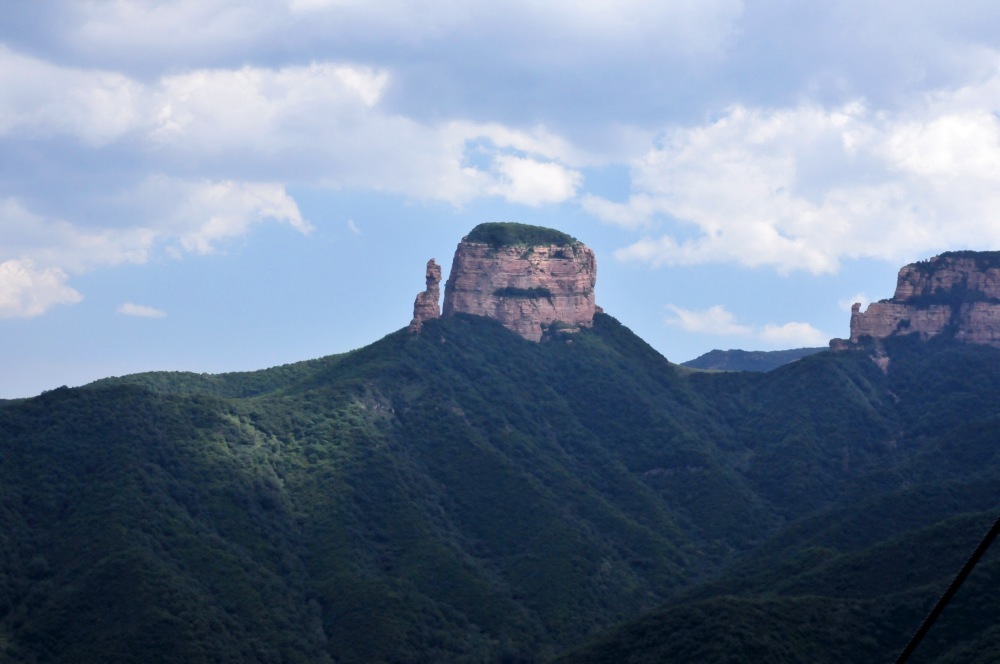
217,185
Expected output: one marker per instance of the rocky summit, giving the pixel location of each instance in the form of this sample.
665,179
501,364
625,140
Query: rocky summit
536,281
956,293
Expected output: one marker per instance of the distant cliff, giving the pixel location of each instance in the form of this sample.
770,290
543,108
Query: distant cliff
534,280
956,293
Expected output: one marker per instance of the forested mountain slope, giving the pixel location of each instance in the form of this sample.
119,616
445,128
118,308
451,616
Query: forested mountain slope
851,581
463,494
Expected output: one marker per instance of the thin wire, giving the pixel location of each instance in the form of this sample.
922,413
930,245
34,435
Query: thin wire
949,593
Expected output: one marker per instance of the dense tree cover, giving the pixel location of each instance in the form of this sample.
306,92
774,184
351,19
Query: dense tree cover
533,293
509,233
984,260
465,495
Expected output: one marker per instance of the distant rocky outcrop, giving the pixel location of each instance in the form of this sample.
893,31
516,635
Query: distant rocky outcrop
956,293
426,306
535,281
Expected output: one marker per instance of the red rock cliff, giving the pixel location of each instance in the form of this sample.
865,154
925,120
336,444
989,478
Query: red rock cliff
529,284
956,292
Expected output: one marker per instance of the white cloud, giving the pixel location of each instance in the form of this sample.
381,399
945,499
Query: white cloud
322,123
534,183
39,252
792,334
59,243
714,320
195,216
253,109
140,310
718,321
39,99
805,187
225,210
216,149
27,291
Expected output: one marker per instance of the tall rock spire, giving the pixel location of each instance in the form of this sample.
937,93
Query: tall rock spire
425,307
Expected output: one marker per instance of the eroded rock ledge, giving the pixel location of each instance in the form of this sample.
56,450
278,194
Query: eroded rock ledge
956,293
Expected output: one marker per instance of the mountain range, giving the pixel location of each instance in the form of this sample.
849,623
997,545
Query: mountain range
463,492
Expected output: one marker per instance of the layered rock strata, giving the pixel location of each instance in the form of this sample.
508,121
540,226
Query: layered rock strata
957,293
426,306
534,281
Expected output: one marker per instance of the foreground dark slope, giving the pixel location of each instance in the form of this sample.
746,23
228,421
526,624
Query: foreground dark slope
456,494
466,495
851,581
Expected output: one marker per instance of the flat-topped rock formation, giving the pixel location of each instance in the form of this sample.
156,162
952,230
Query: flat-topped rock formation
956,293
533,280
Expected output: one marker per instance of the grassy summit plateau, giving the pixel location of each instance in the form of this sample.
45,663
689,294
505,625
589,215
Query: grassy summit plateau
511,234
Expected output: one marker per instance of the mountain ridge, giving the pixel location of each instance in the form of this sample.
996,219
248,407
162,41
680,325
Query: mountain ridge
748,360
466,494
426,439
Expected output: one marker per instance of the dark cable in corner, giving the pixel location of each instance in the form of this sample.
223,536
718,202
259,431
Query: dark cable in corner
949,593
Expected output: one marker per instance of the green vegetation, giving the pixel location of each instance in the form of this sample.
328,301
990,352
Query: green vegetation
507,234
465,495
534,293
984,260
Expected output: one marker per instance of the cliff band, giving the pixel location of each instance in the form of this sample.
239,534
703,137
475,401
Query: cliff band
956,293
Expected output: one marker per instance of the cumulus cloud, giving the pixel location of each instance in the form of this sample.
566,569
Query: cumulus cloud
58,243
39,99
714,320
718,321
805,187
261,108
27,291
322,123
224,210
208,143
792,334
140,311
213,147
529,182
183,217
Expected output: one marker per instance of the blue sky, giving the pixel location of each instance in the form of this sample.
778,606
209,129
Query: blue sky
220,185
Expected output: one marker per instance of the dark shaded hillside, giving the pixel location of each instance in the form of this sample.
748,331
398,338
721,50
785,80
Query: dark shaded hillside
466,495
456,494
852,580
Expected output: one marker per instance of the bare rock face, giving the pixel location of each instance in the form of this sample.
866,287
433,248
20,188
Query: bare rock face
426,307
534,280
956,293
